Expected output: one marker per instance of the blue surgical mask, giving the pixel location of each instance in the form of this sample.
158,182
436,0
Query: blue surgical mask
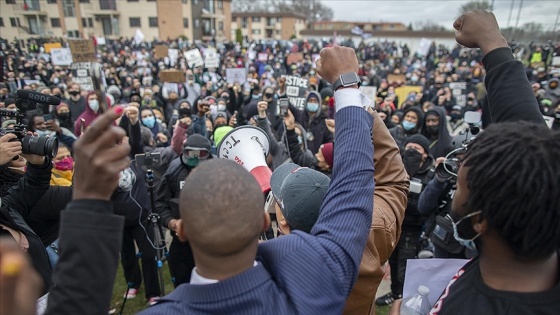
467,243
407,125
94,105
312,107
149,121
299,139
43,133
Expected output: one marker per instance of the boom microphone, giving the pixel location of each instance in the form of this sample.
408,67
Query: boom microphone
38,97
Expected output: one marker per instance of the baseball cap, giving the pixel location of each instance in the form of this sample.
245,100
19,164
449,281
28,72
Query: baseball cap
299,191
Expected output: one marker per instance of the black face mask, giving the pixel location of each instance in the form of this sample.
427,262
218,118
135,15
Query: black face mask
455,117
268,95
412,161
184,112
432,130
73,93
64,116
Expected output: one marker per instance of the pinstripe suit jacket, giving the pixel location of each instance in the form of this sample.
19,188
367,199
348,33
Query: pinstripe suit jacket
302,273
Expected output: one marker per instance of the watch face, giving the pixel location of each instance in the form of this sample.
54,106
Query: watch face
349,79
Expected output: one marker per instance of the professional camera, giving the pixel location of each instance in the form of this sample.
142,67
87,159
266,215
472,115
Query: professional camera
26,101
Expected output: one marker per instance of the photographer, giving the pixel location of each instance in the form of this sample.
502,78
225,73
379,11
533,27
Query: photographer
46,125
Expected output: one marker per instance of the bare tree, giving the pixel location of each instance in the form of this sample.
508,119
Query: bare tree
429,26
315,10
476,5
247,6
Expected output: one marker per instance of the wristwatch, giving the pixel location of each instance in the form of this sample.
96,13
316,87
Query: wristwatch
346,80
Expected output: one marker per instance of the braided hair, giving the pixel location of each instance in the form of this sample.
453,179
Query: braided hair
513,177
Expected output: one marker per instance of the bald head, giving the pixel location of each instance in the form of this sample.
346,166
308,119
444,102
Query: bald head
221,207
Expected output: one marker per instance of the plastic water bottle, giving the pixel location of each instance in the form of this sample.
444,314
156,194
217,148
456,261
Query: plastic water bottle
417,304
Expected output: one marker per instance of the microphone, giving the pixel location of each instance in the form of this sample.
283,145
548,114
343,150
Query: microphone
38,97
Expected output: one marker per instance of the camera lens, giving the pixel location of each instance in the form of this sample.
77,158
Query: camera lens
43,146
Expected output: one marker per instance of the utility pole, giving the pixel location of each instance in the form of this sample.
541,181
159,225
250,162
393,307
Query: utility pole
555,25
510,12
517,21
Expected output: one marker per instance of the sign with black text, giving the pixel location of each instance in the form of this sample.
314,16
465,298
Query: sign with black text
81,75
296,88
459,90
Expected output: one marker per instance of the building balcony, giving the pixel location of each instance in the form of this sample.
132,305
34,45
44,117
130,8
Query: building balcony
30,12
99,13
205,14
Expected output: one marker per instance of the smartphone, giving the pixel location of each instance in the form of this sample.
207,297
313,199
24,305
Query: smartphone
148,160
284,103
48,117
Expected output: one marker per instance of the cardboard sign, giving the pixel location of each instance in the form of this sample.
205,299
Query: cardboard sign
82,50
296,88
263,57
459,90
238,75
172,76
194,59
370,92
161,51
393,78
81,75
294,58
49,46
61,56
211,58
403,91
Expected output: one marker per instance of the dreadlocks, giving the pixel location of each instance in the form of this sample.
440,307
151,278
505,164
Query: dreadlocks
514,179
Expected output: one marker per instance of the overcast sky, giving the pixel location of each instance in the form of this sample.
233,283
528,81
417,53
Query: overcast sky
443,12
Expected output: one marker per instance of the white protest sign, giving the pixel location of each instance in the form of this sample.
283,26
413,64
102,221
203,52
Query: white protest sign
263,57
61,56
251,54
556,61
101,41
81,75
194,58
211,58
171,87
370,92
296,87
173,55
236,75
424,46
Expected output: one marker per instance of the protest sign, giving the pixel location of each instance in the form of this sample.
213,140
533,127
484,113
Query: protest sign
161,51
294,58
211,59
194,58
395,78
424,46
459,90
170,87
370,92
171,75
263,57
296,88
403,91
173,55
49,46
81,74
82,50
101,41
556,61
251,54
238,75
61,56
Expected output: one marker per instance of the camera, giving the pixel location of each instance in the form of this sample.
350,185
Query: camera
447,170
43,146
284,104
148,160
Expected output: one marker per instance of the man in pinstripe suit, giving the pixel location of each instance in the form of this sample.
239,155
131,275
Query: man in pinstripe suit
298,274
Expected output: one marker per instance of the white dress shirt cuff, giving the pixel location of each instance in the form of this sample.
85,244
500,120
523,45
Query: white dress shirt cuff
350,97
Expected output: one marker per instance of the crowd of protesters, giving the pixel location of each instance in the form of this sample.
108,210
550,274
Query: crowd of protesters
185,123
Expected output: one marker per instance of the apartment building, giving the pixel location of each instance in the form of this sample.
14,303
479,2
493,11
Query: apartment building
195,19
264,25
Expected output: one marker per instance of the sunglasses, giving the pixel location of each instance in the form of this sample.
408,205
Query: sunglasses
199,153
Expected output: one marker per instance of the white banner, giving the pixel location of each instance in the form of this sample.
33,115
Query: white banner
61,56
236,75
194,58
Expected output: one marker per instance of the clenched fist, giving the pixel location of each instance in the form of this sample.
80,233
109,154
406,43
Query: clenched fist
479,29
335,61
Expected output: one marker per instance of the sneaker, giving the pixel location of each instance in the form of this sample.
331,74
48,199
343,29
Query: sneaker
153,300
131,293
112,311
387,299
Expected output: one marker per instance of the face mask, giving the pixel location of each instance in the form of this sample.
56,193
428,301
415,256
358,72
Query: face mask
94,105
66,164
192,162
467,243
407,125
455,116
56,80
312,107
219,125
412,161
159,120
432,130
221,108
64,116
127,178
268,95
74,93
213,108
43,133
149,122
256,96
414,79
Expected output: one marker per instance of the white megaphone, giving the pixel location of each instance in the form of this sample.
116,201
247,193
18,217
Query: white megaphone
248,147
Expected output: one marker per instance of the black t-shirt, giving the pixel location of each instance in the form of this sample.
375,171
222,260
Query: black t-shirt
467,294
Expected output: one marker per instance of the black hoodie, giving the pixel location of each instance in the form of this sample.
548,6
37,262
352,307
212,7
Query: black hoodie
439,145
400,135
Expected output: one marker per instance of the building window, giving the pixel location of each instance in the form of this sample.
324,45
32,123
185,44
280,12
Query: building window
108,4
279,20
68,7
256,19
1,22
51,1
256,32
221,26
195,2
152,21
10,1
135,22
87,22
73,34
84,1
14,22
220,4
55,22
33,25
132,0
196,23
244,23
186,23
185,1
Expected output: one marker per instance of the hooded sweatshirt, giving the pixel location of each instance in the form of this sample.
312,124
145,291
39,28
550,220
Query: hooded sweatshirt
400,135
440,143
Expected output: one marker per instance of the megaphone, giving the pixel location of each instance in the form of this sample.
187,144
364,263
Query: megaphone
248,147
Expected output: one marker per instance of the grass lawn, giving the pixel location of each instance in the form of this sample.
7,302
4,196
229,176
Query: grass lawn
139,303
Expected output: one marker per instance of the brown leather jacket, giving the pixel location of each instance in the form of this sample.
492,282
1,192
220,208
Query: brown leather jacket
390,197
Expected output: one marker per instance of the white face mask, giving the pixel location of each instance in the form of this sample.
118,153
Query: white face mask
94,105
221,108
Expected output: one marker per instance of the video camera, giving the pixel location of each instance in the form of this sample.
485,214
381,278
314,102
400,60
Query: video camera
447,170
26,101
